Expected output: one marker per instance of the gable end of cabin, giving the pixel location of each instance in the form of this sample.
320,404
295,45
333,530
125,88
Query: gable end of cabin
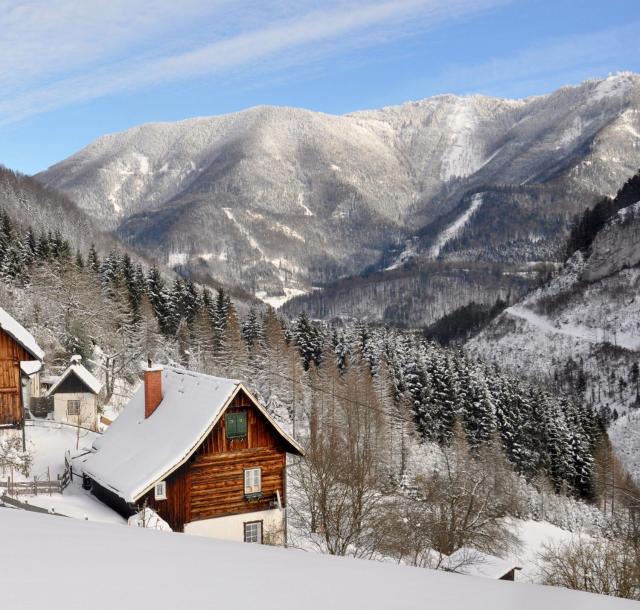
235,477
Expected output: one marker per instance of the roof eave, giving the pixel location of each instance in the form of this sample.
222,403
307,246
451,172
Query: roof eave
52,390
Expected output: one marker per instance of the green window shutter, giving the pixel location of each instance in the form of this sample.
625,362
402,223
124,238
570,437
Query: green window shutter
230,425
236,424
241,423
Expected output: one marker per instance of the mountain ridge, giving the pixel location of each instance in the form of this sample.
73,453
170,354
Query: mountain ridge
312,197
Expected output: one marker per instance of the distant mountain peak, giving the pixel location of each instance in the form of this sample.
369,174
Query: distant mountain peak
316,196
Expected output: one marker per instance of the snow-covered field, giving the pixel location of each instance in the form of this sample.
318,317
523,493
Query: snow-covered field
76,503
48,442
132,568
279,301
533,536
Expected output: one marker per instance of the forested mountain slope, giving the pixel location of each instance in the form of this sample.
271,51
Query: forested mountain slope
582,330
29,204
275,198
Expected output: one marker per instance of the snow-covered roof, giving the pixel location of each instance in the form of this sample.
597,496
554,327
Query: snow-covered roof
476,563
75,368
20,334
30,367
165,571
135,453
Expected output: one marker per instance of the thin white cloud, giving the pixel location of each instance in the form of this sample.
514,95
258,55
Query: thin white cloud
60,52
565,60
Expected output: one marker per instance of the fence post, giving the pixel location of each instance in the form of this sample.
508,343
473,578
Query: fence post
49,478
35,485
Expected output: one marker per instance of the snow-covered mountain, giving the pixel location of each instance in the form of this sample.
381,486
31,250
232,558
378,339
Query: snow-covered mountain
582,330
28,204
277,198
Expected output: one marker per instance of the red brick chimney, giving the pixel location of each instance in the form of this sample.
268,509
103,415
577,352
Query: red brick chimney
152,389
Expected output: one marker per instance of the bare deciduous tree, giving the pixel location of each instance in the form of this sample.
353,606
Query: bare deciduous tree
606,566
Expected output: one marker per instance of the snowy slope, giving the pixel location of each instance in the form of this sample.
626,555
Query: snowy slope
456,227
585,321
133,568
277,198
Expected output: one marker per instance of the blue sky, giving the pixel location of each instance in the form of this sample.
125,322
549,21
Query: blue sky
73,70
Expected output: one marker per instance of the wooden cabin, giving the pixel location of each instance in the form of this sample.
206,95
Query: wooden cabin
75,396
202,453
20,357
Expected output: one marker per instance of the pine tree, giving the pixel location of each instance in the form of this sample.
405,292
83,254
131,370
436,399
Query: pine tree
478,413
79,262
93,262
308,340
252,331
156,291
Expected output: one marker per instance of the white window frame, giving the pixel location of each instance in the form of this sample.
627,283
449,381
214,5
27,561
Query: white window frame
160,490
77,404
253,532
252,480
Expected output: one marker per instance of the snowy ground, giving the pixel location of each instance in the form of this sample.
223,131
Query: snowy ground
48,442
76,503
279,301
625,437
167,571
574,329
534,535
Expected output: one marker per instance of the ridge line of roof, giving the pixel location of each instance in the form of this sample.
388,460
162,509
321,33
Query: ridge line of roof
190,373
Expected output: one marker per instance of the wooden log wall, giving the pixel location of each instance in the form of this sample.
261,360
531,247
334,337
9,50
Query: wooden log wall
11,353
211,483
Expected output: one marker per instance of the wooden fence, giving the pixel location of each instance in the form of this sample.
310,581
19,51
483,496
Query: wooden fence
37,487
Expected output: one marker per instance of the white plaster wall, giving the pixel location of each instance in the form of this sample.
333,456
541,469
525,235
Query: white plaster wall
231,527
88,411
35,385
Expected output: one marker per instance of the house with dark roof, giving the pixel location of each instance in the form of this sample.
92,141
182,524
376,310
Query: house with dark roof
20,359
201,452
75,394
476,563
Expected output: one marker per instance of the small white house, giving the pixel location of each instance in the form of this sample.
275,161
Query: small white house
75,396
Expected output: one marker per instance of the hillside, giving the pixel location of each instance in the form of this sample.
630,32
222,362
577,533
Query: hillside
165,571
582,330
281,198
29,204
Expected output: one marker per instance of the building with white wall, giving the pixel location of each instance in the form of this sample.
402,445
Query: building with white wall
75,396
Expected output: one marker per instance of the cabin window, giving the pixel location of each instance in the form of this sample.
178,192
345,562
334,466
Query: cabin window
235,424
253,532
160,491
252,481
73,407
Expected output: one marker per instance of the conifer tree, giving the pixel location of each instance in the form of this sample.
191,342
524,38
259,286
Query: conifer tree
251,330
93,262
